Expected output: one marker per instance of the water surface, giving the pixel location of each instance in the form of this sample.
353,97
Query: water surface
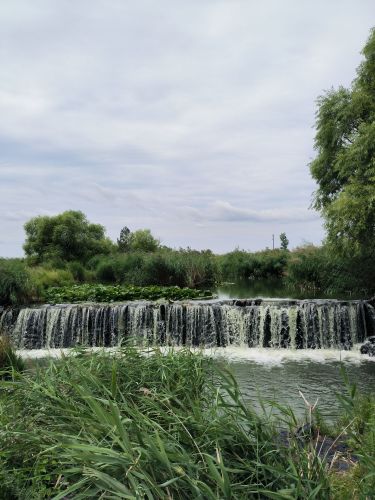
318,377
281,374
273,288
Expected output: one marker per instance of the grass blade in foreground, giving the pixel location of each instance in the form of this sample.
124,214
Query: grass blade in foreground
135,426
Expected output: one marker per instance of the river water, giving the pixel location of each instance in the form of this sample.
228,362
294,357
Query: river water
280,375
273,288
317,379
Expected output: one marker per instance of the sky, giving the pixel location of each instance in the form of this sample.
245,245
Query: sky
193,118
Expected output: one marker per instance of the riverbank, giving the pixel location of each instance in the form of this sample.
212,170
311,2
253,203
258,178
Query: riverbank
166,425
273,374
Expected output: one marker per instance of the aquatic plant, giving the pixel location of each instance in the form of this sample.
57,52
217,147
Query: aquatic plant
111,293
9,360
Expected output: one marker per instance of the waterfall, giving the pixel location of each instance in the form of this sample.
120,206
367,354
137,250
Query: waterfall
278,323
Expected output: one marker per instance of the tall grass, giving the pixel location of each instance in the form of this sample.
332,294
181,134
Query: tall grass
184,268
15,283
144,426
9,361
358,420
255,265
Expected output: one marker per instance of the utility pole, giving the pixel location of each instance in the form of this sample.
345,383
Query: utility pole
273,242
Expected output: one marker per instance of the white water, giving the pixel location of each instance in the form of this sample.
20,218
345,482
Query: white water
263,356
305,324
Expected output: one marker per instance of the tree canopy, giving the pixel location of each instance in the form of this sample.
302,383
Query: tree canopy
284,242
123,242
344,167
143,241
68,236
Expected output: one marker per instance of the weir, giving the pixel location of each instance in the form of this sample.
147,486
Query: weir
277,323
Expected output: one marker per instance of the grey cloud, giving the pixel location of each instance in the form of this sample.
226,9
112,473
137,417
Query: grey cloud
223,211
191,118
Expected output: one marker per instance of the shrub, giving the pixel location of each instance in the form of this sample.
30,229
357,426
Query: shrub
320,268
164,267
105,271
45,278
258,265
78,271
16,286
307,268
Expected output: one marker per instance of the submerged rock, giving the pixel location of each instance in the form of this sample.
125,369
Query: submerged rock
369,346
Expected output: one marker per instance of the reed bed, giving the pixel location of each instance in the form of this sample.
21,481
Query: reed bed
155,426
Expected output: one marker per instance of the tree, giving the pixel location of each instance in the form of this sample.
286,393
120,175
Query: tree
344,167
68,236
124,241
284,242
143,241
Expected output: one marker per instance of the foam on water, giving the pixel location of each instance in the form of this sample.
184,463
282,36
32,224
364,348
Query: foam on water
270,357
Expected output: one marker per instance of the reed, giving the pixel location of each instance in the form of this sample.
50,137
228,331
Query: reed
9,361
144,425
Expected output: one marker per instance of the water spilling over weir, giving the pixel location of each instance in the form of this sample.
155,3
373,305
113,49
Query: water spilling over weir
301,324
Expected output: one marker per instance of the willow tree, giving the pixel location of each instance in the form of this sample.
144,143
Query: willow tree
344,167
67,236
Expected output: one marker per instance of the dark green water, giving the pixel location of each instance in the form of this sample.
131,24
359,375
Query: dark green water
271,288
282,383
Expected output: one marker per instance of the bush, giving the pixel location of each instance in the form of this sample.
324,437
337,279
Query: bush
256,265
16,286
45,278
166,268
78,271
308,268
105,271
320,268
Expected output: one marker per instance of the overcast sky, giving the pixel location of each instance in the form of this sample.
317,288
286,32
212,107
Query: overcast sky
193,118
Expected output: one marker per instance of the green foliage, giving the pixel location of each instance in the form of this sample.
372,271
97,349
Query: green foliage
264,264
307,268
135,426
165,267
284,242
64,237
345,164
143,241
43,278
108,293
358,424
15,283
312,268
78,271
123,242
10,362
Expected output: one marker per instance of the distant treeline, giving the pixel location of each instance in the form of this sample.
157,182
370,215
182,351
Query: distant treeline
67,249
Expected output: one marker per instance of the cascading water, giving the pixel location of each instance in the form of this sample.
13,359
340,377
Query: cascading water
304,324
